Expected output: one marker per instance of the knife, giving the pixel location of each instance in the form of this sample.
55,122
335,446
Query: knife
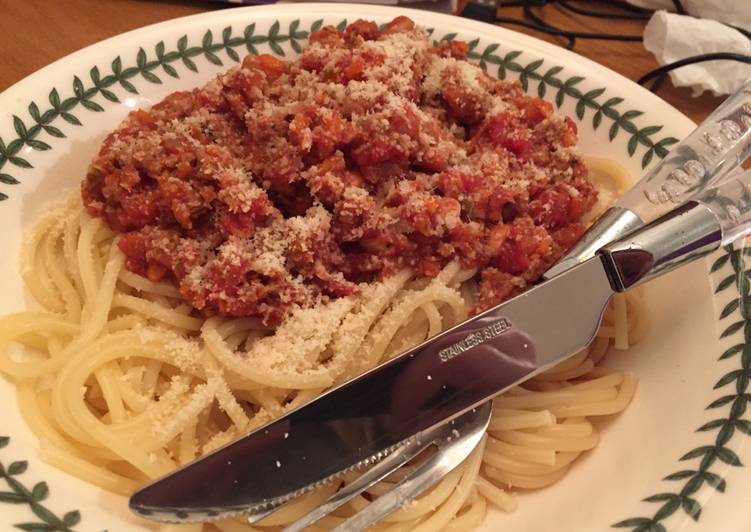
718,144
442,378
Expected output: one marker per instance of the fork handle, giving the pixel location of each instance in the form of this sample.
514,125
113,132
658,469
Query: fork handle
378,472
449,454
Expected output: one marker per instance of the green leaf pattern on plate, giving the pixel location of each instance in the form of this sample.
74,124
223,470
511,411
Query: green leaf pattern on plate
152,68
709,459
19,493
39,130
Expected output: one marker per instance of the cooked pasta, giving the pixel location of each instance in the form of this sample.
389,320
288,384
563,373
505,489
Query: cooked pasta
122,383
238,249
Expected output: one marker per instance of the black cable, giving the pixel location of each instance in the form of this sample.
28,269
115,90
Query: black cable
551,30
743,31
658,82
517,3
541,26
622,4
544,26
601,14
535,27
719,56
525,24
679,7
532,21
481,12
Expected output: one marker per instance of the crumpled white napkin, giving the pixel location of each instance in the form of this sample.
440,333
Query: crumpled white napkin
671,37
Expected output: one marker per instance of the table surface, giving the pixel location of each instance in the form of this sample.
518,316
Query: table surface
33,33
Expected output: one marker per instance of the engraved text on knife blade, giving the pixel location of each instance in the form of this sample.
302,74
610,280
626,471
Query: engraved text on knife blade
474,339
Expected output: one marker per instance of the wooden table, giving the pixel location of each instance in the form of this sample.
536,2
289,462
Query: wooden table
33,33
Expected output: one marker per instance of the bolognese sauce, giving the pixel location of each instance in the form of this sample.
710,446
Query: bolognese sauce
281,183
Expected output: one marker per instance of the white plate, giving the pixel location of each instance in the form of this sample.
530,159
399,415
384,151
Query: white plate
51,126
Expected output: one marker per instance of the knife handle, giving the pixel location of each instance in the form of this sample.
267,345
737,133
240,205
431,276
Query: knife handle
715,217
715,148
731,205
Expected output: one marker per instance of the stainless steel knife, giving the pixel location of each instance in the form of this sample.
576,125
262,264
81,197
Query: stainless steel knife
443,377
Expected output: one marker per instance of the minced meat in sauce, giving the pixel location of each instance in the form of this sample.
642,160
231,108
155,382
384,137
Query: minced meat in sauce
281,183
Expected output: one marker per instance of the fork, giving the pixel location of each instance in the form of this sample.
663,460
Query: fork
453,441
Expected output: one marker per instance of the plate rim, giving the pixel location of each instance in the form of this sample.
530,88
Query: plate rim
331,8
304,10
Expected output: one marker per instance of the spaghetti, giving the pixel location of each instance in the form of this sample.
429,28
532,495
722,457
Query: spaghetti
122,384
396,221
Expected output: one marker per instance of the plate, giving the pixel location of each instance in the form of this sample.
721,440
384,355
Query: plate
674,460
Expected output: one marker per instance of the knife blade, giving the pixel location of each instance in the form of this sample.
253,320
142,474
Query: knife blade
439,379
